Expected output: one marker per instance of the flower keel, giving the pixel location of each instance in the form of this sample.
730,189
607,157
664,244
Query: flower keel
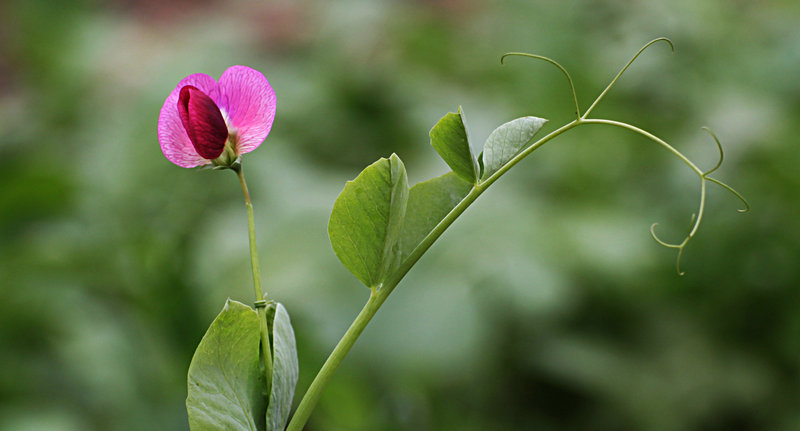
203,122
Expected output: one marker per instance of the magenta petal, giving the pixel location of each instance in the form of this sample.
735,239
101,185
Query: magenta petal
203,122
175,142
249,102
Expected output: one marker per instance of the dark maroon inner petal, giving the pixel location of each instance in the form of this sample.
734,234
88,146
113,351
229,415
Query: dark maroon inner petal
203,122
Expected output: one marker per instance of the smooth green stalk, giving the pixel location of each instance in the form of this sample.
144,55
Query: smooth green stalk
380,293
259,293
650,136
336,357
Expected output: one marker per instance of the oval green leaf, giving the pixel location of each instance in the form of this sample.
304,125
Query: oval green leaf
449,139
507,141
367,218
428,203
226,385
284,367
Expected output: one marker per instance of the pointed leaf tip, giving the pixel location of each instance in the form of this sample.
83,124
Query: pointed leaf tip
449,139
367,218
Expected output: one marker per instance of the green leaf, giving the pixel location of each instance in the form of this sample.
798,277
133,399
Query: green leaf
428,203
449,139
226,384
507,141
367,218
284,367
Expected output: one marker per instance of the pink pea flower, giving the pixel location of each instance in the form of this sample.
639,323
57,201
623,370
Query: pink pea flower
204,121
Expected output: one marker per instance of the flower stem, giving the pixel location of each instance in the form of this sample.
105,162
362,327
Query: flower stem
260,297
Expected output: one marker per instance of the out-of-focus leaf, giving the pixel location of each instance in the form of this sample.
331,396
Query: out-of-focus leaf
507,141
284,368
428,203
449,139
367,218
226,385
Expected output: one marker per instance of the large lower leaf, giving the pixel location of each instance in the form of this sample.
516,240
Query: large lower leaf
284,367
449,139
226,384
367,218
428,203
507,141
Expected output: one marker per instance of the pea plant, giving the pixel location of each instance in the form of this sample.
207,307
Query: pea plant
244,372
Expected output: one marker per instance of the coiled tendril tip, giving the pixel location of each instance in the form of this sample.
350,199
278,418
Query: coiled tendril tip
659,240
680,246
706,174
661,39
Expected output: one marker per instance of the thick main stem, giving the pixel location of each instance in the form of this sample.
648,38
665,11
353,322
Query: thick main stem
259,293
378,296
325,373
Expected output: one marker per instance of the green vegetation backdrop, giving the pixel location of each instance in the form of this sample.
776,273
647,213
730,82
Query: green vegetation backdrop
546,307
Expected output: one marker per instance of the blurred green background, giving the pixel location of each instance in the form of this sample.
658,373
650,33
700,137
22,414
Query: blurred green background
547,306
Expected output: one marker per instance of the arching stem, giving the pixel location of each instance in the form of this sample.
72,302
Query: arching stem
379,295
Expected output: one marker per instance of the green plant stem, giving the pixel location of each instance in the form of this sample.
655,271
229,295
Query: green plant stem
650,136
336,357
379,295
259,293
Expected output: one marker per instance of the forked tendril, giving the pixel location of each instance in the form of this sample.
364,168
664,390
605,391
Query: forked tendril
696,218
555,63
569,78
624,68
695,222
718,182
704,176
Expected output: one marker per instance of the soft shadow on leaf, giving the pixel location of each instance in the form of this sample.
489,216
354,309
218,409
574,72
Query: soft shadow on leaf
284,367
226,385
428,203
449,139
507,141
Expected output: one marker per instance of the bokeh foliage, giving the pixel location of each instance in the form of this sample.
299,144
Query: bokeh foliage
113,262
